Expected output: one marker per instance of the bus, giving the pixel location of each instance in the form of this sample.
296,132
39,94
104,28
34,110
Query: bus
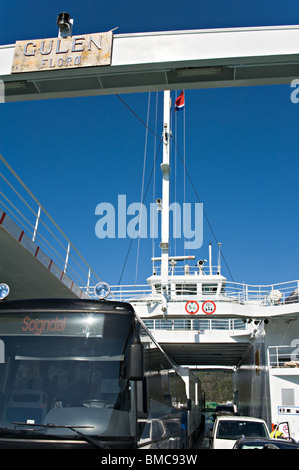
82,374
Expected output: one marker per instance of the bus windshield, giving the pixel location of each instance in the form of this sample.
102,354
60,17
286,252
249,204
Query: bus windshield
65,369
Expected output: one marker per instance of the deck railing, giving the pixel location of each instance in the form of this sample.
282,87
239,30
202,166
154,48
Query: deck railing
284,356
270,294
263,295
23,207
198,325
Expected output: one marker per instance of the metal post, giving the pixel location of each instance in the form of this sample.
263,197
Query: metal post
88,281
165,194
36,223
67,256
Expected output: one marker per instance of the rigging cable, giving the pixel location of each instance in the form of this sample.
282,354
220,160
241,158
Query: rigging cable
145,193
187,172
142,185
205,214
136,115
175,173
184,150
154,177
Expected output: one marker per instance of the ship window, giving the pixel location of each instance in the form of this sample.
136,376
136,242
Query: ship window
149,324
163,324
287,397
158,288
186,289
201,324
209,289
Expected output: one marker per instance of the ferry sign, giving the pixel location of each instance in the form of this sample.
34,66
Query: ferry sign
208,307
62,53
192,307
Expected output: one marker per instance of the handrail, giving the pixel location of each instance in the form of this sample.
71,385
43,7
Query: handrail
225,291
283,356
198,325
20,203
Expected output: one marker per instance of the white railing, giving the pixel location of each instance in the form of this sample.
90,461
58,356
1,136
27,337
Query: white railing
271,294
263,295
195,324
22,206
193,270
125,292
283,356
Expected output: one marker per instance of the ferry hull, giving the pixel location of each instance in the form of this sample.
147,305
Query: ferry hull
266,383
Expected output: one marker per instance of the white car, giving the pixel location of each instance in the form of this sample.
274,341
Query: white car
228,428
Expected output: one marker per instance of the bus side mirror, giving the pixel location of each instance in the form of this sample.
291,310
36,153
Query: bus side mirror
188,405
135,359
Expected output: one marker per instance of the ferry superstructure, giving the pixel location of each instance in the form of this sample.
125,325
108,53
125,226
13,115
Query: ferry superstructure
205,321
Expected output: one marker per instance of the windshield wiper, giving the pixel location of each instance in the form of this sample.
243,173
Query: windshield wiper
88,439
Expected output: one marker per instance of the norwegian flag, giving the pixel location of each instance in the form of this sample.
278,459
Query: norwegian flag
180,102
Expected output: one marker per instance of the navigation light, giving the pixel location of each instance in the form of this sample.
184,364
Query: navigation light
65,24
64,20
102,290
4,291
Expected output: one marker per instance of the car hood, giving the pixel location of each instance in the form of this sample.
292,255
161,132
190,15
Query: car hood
224,443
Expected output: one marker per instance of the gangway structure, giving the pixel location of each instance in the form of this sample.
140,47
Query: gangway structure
37,260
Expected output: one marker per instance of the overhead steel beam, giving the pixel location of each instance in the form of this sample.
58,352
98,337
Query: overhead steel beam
168,60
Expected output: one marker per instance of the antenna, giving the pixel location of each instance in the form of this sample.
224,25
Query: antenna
219,258
210,258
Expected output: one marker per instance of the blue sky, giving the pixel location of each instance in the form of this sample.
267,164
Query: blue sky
241,144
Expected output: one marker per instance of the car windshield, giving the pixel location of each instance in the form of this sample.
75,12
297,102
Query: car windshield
224,409
252,446
67,380
231,429
264,445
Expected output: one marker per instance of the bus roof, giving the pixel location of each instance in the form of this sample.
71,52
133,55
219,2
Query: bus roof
65,305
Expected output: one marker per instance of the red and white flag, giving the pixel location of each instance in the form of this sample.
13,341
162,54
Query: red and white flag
180,102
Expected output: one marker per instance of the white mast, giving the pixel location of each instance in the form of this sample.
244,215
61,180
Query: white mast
164,245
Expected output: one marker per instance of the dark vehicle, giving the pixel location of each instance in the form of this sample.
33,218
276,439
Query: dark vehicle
225,409
264,443
74,374
228,409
